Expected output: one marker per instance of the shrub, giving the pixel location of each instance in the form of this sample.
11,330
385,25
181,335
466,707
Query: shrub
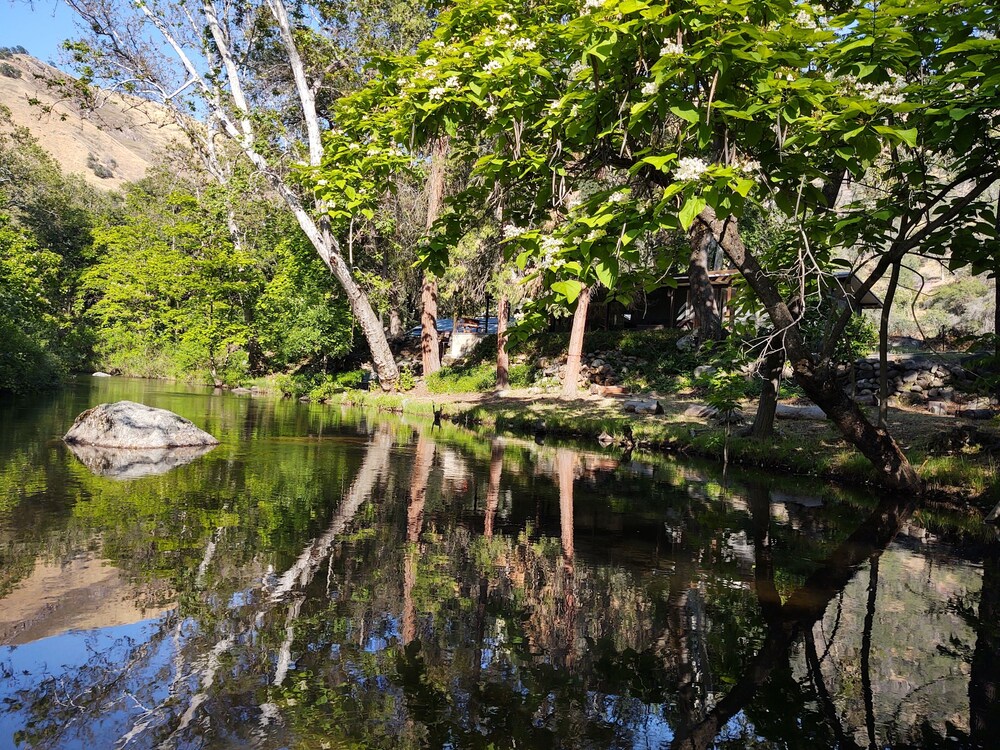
463,379
406,379
24,365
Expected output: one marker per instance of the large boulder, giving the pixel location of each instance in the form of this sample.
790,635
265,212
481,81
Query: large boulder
126,424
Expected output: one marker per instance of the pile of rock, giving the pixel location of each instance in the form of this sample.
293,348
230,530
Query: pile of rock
915,379
600,368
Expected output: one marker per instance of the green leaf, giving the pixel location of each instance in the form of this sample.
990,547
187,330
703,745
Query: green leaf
692,207
686,112
570,289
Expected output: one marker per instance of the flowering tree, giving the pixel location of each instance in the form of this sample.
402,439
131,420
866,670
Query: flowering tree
687,112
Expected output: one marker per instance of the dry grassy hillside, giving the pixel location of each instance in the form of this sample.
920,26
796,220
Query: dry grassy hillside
110,145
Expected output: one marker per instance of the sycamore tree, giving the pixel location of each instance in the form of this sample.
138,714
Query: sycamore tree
258,78
698,109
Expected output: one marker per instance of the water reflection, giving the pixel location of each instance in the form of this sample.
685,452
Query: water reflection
133,463
325,578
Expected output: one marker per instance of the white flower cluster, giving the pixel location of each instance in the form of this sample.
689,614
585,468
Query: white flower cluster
550,245
577,68
619,196
523,44
690,168
491,111
488,41
401,82
589,6
804,19
506,25
492,66
438,44
887,93
746,166
510,231
649,88
671,48
431,62
436,93
452,83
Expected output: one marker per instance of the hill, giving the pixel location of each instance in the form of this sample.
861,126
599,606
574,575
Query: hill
109,145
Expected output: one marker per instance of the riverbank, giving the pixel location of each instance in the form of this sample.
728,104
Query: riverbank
948,452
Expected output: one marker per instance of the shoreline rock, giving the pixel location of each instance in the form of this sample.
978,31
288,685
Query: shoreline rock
126,424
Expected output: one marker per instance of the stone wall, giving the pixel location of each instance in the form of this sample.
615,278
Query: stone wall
915,379
600,368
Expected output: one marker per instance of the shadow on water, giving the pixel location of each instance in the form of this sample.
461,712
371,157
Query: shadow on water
329,578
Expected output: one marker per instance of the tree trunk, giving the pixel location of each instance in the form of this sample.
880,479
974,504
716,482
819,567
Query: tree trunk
503,361
707,318
883,350
763,422
575,351
817,380
996,313
429,347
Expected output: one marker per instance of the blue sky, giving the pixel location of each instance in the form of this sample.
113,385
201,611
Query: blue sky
40,27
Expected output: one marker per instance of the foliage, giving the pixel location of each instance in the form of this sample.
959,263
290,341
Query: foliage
469,378
45,242
24,364
171,294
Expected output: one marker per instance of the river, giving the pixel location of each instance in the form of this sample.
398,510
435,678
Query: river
328,578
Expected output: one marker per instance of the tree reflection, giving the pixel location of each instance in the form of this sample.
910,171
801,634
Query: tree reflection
984,682
798,614
427,588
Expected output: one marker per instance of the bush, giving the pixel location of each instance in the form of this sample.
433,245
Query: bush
406,379
24,365
463,379
318,387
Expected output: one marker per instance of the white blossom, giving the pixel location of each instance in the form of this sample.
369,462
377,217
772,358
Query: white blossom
491,111
619,196
690,168
887,93
452,82
576,68
649,88
550,245
437,92
466,55
401,81
595,234
438,44
492,66
671,48
589,6
747,166
523,43
804,19
510,231
431,62
488,41
574,110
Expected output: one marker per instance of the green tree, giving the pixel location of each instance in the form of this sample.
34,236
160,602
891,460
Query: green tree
701,109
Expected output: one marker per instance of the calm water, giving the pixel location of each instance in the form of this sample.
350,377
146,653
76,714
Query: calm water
326,578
